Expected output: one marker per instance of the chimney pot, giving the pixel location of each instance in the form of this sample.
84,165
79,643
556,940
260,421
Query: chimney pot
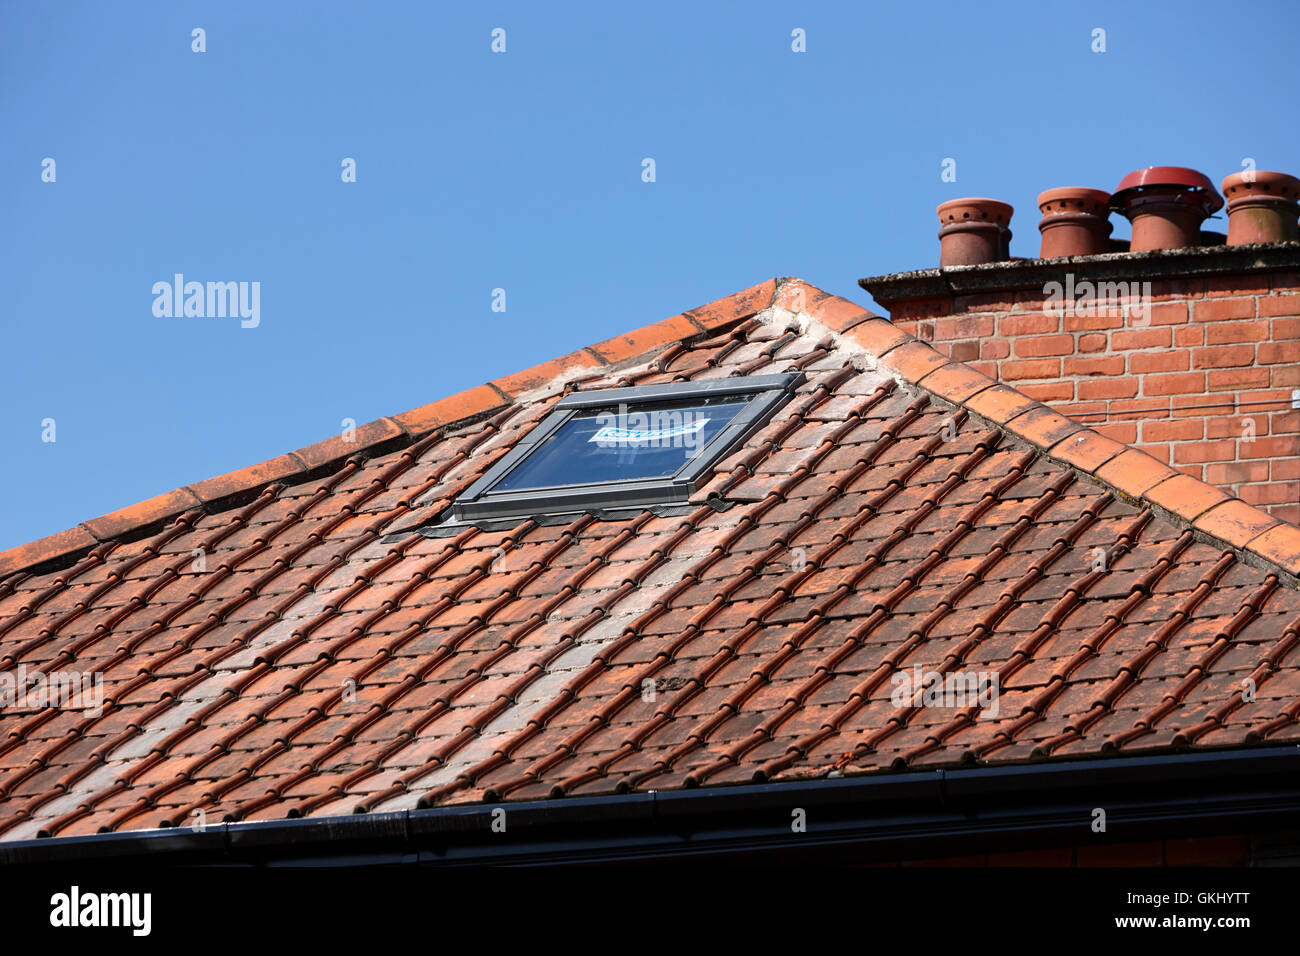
1075,222
1166,205
1261,207
973,231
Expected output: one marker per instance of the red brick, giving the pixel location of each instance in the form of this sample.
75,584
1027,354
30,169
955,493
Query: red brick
963,327
1092,322
1204,451
1273,398
1030,368
1236,472
1224,356
1078,410
1123,432
1275,447
1029,323
1284,376
1049,391
1270,305
1231,379
1095,365
1168,313
1275,353
1093,342
1108,388
1139,408
1141,339
1222,333
1289,513
1285,469
1186,336
1277,493
1219,310
1280,423
1181,383
994,349
1285,329
1038,346
1234,426
963,351
1142,362
1173,431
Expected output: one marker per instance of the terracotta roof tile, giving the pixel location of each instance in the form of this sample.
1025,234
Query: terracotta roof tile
152,511
1000,403
328,657
1235,522
1134,472
1185,496
448,411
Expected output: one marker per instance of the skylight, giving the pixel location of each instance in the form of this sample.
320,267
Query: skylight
625,447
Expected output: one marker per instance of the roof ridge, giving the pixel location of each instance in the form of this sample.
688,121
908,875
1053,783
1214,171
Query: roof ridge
1259,538
220,493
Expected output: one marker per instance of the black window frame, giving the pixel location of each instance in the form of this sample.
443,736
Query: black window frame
479,502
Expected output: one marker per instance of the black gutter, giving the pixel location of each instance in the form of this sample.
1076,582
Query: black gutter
873,817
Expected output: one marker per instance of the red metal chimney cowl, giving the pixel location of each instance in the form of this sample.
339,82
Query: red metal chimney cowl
1075,222
1166,205
1261,207
973,230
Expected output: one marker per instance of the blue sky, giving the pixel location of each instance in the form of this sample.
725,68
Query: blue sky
519,170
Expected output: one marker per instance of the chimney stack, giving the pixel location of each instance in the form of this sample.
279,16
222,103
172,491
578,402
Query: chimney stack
973,231
1166,205
1075,222
1261,207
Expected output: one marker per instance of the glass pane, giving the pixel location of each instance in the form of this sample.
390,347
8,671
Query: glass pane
624,443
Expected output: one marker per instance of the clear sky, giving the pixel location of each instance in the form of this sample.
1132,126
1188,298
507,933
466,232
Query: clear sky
521,171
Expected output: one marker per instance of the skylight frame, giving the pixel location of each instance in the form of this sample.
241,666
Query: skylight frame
479,502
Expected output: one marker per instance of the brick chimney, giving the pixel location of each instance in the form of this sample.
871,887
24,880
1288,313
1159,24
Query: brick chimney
1190,351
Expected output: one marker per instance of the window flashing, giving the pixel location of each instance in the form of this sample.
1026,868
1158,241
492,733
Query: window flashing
481,502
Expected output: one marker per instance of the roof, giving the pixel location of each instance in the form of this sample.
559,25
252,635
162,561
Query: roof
284,641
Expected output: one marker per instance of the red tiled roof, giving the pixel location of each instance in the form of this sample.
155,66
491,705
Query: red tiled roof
902,511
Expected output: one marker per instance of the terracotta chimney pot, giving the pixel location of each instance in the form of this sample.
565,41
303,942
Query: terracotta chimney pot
1166,205
1075,222
1261,207
974,230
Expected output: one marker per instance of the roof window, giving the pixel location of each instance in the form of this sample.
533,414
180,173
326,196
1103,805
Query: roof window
625,447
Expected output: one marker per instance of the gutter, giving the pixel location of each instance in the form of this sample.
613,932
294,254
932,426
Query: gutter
867,818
